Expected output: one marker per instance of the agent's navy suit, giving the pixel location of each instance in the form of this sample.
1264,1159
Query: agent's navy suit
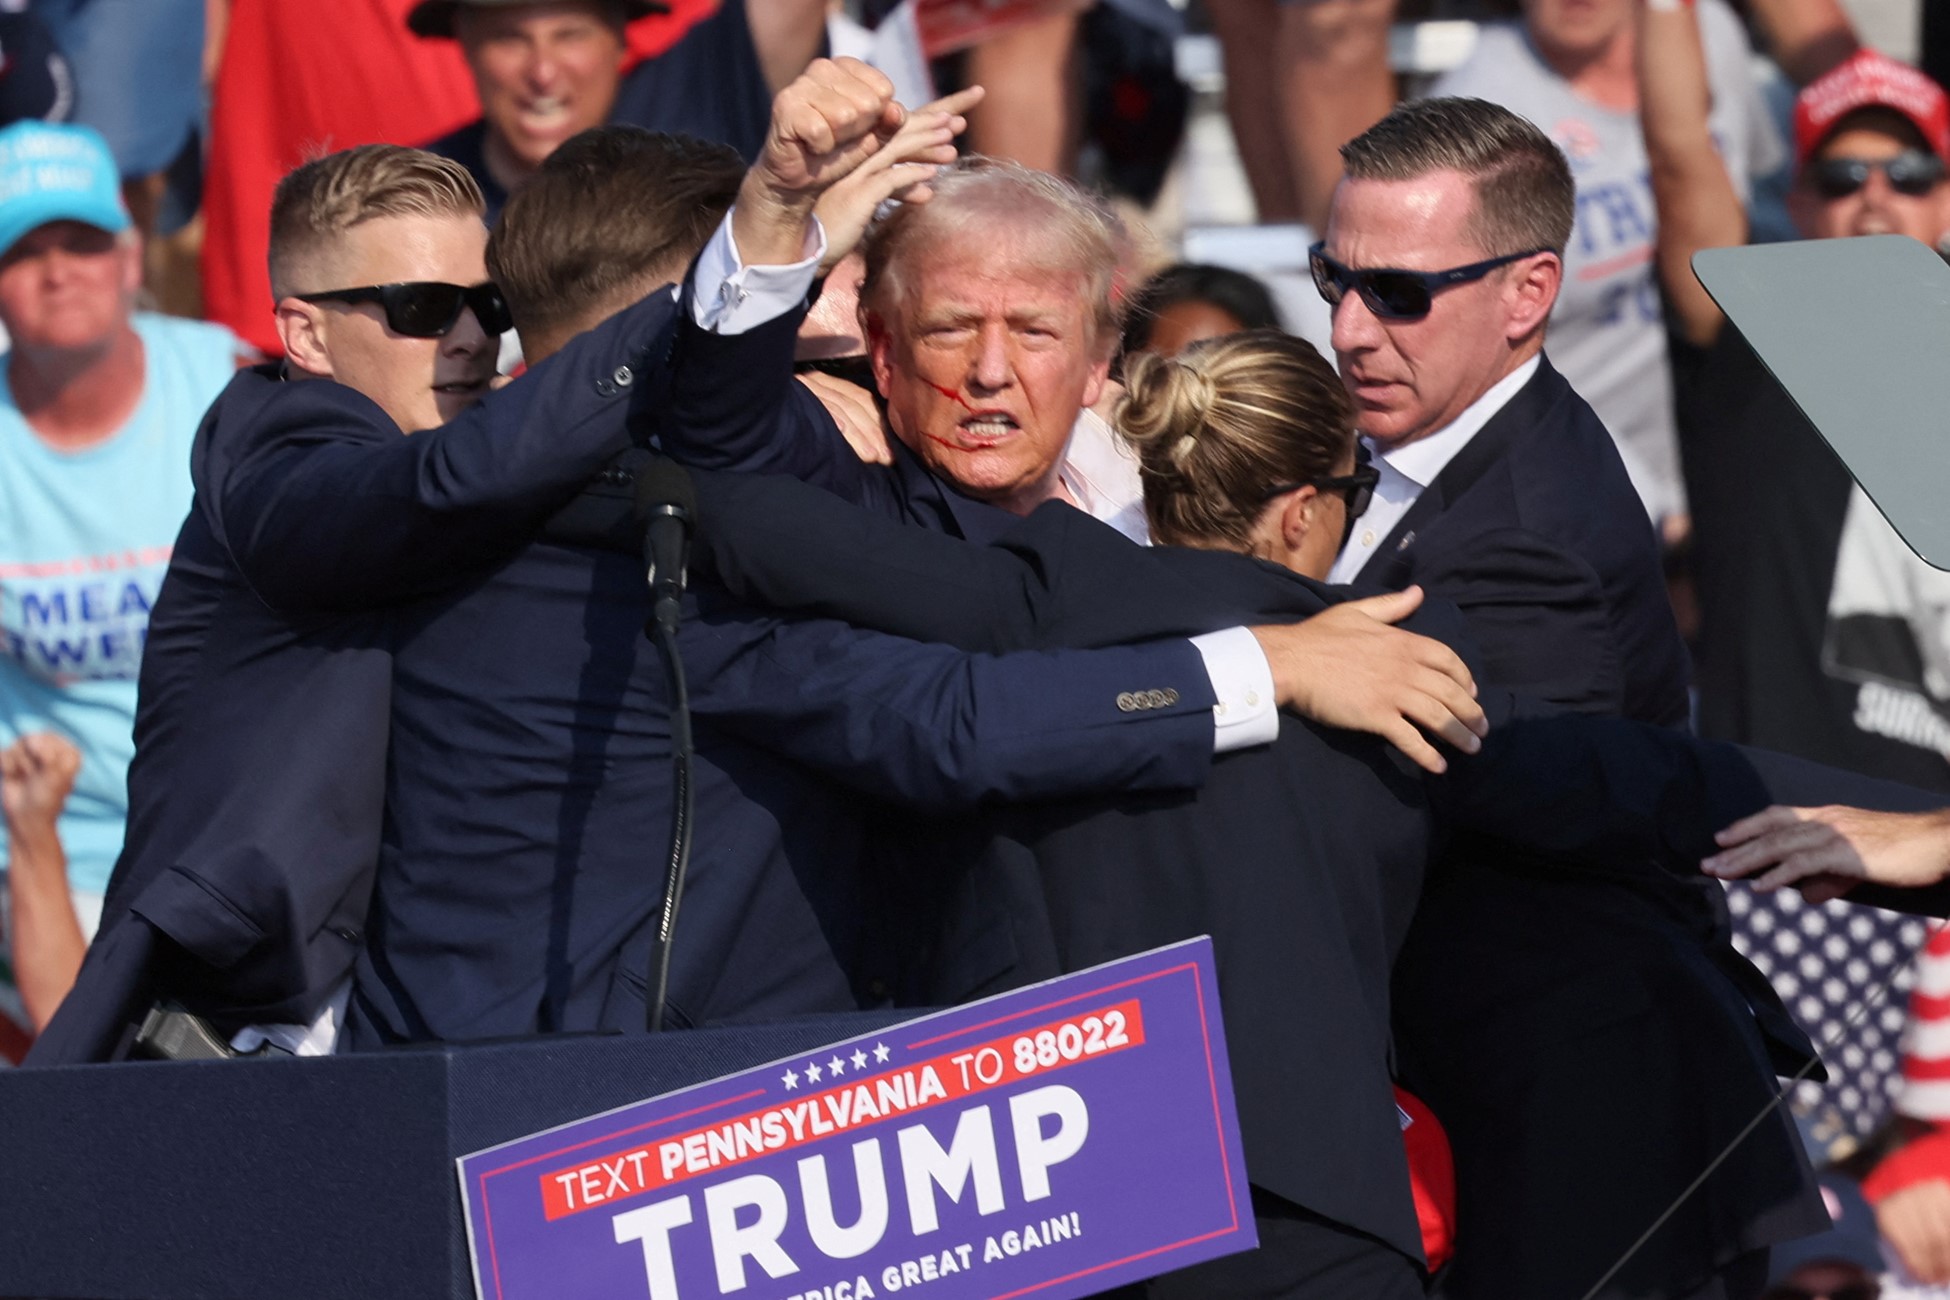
1587,1069
1304,862
261,730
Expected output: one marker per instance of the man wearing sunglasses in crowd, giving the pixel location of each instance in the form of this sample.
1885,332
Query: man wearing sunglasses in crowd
1500,490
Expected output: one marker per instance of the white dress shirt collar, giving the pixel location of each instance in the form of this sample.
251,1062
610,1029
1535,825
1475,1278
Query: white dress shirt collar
1410,468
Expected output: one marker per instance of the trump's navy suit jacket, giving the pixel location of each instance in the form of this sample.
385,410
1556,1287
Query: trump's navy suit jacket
1304,862
254,797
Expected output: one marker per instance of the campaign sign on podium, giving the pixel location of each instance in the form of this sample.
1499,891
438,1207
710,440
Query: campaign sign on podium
1055,1141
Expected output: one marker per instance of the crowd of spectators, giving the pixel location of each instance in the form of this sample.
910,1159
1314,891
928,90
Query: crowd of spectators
141,256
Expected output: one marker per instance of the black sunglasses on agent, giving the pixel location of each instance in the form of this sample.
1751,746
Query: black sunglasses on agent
1398,295
1356,489
427,309
1911,172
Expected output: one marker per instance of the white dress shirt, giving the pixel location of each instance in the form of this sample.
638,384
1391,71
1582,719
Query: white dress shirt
1409,469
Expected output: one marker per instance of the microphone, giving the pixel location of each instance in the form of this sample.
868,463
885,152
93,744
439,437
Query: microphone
666,507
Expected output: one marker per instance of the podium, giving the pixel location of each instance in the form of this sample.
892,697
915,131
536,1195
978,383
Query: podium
307,1179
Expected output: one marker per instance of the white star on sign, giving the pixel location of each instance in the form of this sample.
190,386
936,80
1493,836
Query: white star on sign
880,1053
790,1079
859,1059
836,1065
812,1071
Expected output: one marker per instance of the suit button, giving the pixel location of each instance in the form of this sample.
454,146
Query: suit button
348,934
605,388
1127,702
622,377
1170,696
1154,699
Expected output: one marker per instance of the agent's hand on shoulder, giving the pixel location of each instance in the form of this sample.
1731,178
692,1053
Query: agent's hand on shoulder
1349,667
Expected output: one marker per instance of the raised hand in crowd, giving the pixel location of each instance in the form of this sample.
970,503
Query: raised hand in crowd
1824,852
1349,668
900,169
834,117
37,773
1697,203
1806,37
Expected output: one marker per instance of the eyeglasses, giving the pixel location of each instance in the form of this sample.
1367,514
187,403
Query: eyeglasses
427,309
1910,172
1398,295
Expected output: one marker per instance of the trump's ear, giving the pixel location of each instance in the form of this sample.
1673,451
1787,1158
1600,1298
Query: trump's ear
303,330
880,347
1531,292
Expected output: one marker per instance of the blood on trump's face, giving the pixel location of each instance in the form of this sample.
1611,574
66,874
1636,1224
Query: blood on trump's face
986,359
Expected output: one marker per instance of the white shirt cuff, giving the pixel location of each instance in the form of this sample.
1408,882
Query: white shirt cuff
1247,713
728,297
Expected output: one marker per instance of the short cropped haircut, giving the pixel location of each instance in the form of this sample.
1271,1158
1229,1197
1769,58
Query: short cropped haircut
1224,421
326,197
615,210
978,202
1525,197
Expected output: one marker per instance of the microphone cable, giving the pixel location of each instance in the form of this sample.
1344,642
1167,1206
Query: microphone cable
683,811
665,507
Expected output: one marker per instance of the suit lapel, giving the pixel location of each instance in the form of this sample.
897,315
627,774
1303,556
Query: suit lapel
1389,566
928,501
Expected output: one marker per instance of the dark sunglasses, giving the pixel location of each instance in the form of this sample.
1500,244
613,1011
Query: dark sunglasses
1398,295
427,309
1356,489
1910,172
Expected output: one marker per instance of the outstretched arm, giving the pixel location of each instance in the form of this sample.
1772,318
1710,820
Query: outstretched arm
1827,851
328,507
1613,791
935,727
783,545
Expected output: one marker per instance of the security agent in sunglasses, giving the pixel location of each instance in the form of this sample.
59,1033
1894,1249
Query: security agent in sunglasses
262,732
1500,490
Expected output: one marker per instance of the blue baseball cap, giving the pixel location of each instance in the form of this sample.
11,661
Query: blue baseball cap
52,172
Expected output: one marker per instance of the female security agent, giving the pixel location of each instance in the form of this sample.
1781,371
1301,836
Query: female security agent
1246,443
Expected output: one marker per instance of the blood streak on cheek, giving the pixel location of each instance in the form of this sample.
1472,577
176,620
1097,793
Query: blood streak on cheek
951,395
956,398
